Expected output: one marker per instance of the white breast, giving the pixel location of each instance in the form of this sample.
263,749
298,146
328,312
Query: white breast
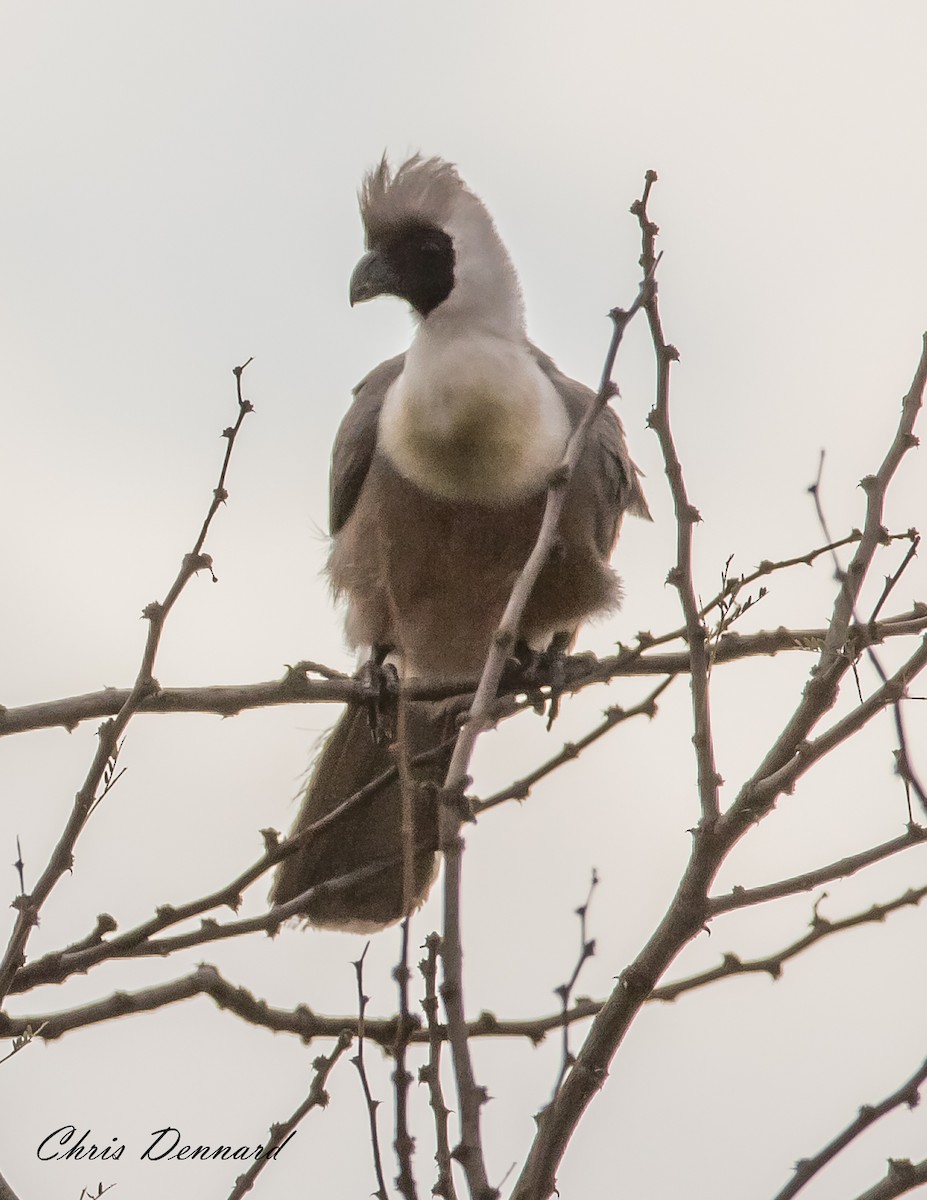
473,419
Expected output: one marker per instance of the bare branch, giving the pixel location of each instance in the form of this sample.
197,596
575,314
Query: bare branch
807,1168
111,731
772,964
431,1073
470,1096
740,897
686,517
358,1061
902,1176
759,794
712,841
404,1142
280,1134
306,1024
903,766
521,788
204,980
579,672
565,990
821,690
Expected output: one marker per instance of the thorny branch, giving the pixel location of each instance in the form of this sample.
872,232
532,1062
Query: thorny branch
903,765
111,731
358,1061
909,1093
430,1073
902,1176
316,1098
580,672
305,1024
717,833
686,517
565,990
741,897
404,1142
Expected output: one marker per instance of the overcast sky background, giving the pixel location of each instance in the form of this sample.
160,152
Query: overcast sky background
179,194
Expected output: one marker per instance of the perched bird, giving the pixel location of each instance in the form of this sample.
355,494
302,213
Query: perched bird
438,484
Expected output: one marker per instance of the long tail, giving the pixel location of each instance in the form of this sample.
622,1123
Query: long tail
377,828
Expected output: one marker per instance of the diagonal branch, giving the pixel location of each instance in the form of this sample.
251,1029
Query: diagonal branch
282,1132
741,897
521,788
820,692
807,1168
772,964
686,517
431,1072
902,1176
111,731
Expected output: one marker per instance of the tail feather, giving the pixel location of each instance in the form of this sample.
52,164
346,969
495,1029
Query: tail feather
369,831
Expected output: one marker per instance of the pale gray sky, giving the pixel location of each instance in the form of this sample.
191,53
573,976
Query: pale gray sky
178,194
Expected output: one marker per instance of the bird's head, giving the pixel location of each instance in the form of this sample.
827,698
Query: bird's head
431,242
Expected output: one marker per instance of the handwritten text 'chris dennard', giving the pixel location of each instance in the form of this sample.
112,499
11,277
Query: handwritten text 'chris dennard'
60,1144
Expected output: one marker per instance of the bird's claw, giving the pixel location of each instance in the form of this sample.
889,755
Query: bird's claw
381,681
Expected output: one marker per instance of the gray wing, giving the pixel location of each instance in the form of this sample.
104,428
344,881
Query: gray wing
356,441
606,468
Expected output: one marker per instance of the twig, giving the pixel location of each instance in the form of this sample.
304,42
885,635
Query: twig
111,731
646,640
741,897
686,517
892,580
807,1168
902,1176
20,867
772,964
875,490
471,1097
358,1061
281,1133
404,1143
22,1040
205,980
521,788
565,990
139,943
431,1072
760,793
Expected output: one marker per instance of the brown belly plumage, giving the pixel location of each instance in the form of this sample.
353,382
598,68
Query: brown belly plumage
431,577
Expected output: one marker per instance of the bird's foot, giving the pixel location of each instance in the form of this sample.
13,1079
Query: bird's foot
380,680
542,671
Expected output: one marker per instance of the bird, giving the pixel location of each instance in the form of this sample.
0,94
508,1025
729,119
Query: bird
439,475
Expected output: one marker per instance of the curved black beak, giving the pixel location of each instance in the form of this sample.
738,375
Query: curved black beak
373,276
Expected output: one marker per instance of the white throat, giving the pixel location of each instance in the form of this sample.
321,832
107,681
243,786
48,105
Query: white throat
473,417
